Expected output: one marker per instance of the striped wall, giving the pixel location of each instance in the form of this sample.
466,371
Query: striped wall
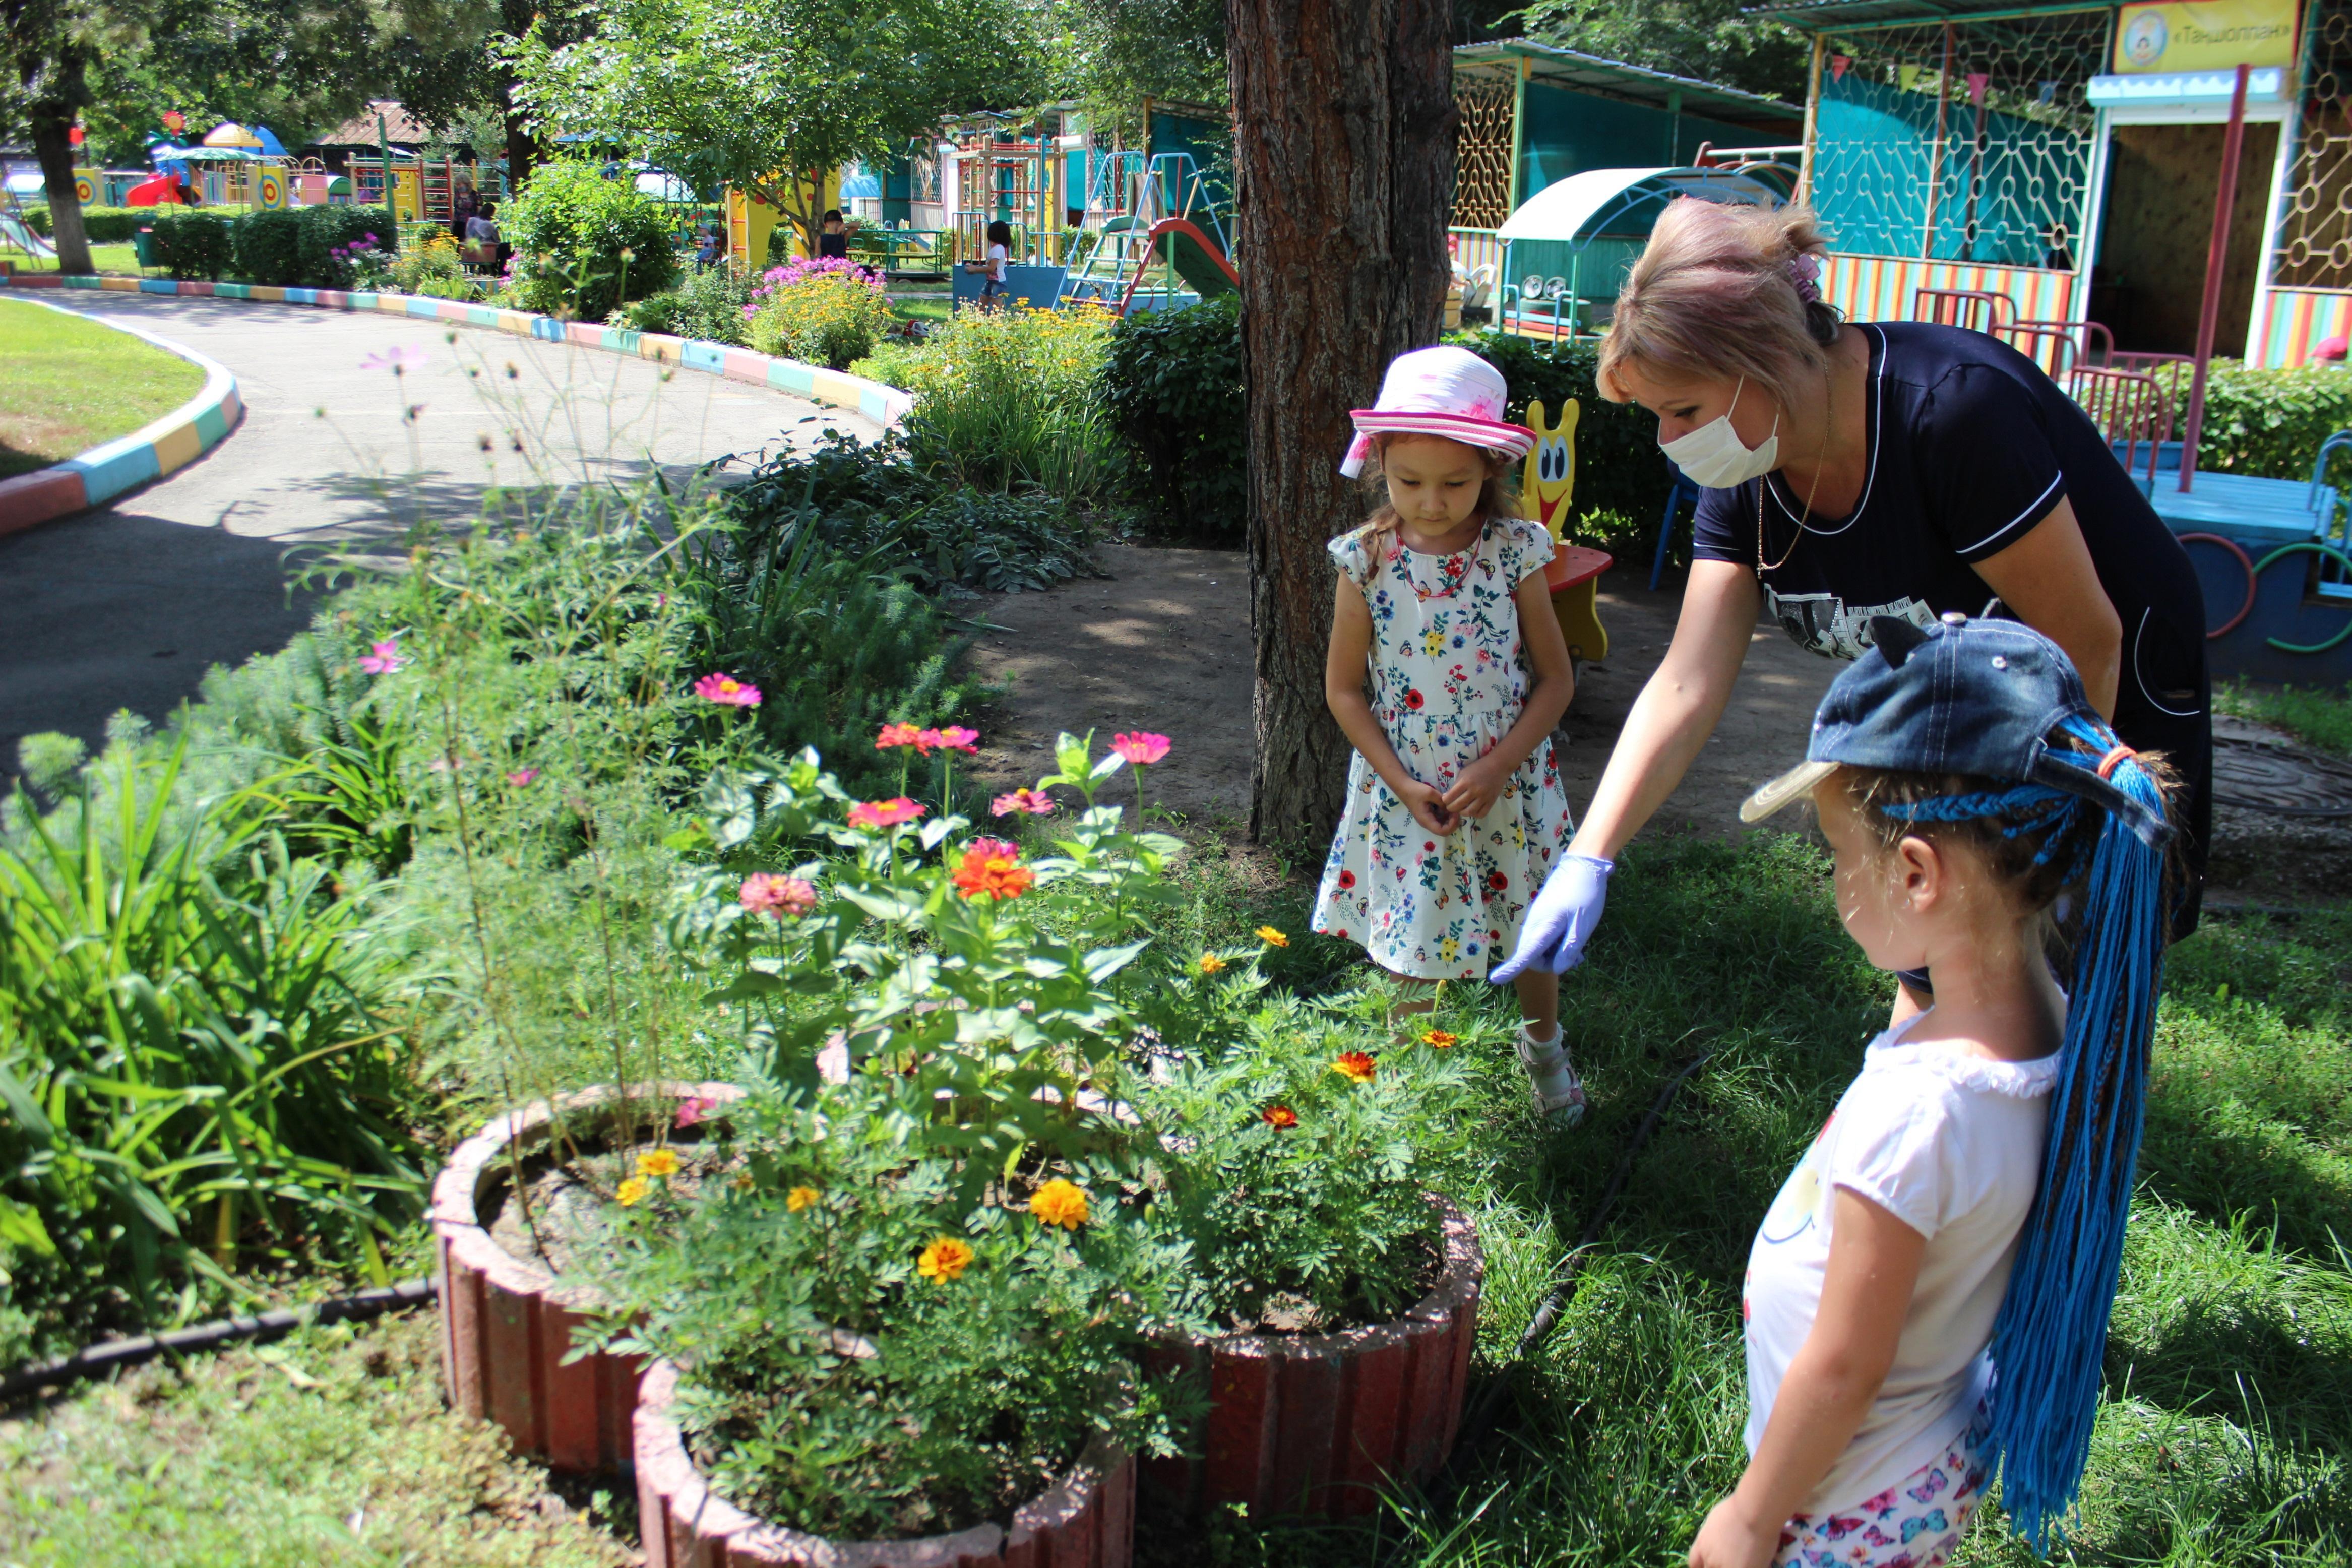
1879,287
97,475
2295,321
883,404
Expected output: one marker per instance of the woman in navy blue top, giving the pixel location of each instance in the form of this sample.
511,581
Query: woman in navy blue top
1893,468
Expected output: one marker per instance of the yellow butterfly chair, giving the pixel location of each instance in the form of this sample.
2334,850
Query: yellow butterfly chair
1574,575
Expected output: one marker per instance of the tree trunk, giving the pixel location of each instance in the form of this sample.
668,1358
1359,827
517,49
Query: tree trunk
52,118
516,17
1343,143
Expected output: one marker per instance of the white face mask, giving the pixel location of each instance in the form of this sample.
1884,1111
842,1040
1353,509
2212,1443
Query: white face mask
1713,456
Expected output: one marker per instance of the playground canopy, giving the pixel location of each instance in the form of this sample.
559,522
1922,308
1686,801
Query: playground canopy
1621,203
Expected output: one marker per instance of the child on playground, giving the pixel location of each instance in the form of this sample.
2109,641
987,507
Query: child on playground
1962,1211
1455,810
1000,250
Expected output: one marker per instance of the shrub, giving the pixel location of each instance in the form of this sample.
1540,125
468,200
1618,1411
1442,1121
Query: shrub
103,225
269,247
1173,386
708,305
828,312
1013,397
194,246
2269,423
432,267
328,235
583,244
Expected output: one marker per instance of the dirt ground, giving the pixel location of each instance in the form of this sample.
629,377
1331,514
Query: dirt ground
1163,644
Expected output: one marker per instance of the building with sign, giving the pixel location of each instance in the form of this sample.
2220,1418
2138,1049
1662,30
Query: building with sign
2068,159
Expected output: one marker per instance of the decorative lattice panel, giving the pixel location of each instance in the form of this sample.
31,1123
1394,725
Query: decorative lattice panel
1482,153
1963,143
2314,239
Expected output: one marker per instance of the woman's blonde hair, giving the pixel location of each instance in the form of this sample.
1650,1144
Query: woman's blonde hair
1724,290
1498,497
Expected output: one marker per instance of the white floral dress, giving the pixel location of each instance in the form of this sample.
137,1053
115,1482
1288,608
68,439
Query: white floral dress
1448,682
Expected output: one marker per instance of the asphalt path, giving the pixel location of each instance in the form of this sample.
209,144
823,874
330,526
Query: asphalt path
127,606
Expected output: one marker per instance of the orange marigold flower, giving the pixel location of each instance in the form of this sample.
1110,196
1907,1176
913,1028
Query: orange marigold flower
944,1259
1279,1116
1440,1038
800,1197
657,1163
632,1191
1271,938
1355,1066
991,868
1211,963
1061,1203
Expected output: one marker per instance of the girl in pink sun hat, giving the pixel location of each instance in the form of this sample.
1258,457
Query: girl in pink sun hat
1448,672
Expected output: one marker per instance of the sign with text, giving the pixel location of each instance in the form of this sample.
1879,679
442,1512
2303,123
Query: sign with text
2174,35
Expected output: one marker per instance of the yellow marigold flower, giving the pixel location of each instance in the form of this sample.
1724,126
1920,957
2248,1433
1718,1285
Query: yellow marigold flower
944,1259
632,1191
1271,938
1355,1066
657,1163
1439,1038
1211,963
800,1197
1061,1203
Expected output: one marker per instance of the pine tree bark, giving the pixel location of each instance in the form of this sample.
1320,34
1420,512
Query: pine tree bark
1343,143
523,147
63,90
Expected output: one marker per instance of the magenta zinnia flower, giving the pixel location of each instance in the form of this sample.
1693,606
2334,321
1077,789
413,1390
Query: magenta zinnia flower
1035,801
884,813
764,893
955,737
727,691
523,777
693,1109
1141,748
383,658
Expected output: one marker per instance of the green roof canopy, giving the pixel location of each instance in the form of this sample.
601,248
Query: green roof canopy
1631,84
1833,15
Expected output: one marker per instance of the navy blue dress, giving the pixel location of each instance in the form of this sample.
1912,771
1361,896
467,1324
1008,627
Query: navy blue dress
1970,447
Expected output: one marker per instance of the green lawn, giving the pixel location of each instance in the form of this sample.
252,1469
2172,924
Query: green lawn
72,384
117,260
2226,1437
2316,716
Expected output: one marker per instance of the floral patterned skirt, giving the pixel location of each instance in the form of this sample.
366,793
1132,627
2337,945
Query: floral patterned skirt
1441,906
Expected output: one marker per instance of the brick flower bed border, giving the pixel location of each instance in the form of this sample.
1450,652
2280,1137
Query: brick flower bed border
1316,1423
1088,1520
506,1327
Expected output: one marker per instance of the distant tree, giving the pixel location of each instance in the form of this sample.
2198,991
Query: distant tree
768,97
1113,54
1712,40
50,47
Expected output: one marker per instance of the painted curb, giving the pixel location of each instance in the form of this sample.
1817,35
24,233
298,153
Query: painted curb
116,466
882,403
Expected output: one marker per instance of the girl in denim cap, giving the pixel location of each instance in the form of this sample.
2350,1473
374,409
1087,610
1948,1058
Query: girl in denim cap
1927,1300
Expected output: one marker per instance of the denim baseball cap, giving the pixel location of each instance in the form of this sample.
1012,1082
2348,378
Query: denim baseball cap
1975,697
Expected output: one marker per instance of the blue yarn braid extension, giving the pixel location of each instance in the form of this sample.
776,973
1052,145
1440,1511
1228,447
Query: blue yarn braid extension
2050,1340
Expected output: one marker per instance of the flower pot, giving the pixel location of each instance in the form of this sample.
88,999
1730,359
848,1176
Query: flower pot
1087,1520
1316,1424
506,1328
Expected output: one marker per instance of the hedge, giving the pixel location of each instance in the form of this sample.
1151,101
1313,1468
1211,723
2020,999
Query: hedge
194,245
1172,384
2268,424
103,225
268,246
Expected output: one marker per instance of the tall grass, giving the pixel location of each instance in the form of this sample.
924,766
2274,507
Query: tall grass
1006,398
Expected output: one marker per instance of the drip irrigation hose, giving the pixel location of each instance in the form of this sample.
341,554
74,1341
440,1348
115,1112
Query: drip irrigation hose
108,1356
1479,1420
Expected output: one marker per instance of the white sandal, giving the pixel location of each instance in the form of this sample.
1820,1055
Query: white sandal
1559,1092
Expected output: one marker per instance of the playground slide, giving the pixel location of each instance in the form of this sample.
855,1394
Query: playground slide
15,231
1198,260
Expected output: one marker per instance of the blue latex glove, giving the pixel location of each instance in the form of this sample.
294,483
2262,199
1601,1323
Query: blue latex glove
1562,919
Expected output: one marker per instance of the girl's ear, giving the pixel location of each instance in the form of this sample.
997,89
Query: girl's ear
1921,870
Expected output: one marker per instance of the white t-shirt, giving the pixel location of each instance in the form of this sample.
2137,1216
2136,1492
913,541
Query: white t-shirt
1949,1143
996,262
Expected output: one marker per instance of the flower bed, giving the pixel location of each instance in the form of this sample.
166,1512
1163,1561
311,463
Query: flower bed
1318,1424
1085,1521
506,1336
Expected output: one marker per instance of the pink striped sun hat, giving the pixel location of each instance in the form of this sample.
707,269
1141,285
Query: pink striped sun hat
1439,391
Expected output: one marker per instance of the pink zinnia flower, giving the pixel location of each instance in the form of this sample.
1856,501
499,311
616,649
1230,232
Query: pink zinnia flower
727,691
765,894
954,737
694,1108
383,658
895,736
520,779
1141,748
1035,801
884,813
